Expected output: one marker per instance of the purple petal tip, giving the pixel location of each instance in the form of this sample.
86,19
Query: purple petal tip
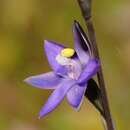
26,80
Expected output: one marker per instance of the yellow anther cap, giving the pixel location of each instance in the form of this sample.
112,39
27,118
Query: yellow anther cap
67,52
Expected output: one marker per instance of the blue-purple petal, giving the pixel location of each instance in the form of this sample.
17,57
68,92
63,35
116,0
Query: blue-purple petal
45,81
89,71
53,49
82,45
75,95
56,97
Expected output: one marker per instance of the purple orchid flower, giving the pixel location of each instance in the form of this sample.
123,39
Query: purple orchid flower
71,71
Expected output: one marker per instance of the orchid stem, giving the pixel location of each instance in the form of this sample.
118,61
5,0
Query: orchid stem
85,6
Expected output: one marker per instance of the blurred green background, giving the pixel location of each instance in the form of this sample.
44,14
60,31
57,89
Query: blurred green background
24,24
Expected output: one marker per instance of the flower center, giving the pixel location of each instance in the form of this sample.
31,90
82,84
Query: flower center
67,52
72,73
64,57
63,60
72,65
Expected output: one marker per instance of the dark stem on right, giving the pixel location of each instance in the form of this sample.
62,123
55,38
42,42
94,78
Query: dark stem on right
85,6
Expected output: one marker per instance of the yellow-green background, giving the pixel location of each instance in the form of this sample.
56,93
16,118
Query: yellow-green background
24,24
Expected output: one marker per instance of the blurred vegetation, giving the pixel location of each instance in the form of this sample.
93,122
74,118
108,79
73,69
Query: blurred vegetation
24,24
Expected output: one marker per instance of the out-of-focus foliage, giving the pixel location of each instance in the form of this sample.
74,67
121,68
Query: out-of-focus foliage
24,24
